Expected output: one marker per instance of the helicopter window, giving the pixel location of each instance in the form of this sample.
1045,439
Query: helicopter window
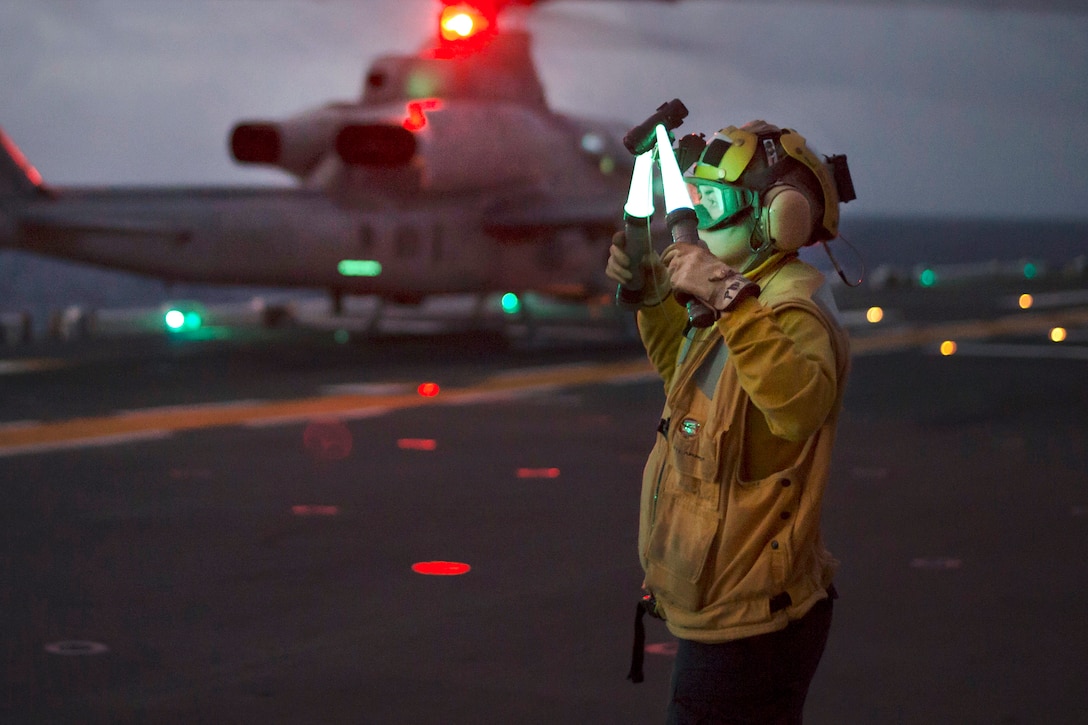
407,242
376,79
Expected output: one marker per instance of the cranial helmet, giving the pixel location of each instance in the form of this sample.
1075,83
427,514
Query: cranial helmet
793,194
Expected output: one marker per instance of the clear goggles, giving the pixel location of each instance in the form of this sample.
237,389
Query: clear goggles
715,203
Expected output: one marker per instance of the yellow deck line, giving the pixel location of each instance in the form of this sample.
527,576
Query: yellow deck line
132,424
85,431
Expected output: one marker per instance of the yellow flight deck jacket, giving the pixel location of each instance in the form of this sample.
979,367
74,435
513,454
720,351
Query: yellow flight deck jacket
729,532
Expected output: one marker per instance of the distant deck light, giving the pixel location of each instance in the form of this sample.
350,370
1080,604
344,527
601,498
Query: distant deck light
175,319
927,278
359,267
1058,334
948,347
874,314
1026,301
511,304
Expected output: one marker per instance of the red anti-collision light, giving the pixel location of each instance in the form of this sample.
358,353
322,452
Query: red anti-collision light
462,21
465,27
428,390
441,568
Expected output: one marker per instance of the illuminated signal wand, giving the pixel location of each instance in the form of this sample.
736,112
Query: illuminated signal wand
681,220
637,213
639,208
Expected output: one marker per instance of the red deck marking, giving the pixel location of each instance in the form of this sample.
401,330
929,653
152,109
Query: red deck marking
315,510
538,473
441,568
417,444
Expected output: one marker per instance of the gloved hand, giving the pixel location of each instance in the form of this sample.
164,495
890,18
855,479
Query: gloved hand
655,279
695,271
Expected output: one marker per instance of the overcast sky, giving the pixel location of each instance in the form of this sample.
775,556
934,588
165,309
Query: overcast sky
941,110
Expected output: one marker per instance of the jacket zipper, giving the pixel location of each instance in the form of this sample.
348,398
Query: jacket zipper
664,430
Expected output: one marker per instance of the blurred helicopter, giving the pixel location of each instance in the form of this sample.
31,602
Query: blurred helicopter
450,174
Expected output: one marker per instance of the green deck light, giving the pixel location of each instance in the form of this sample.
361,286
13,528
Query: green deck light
359,267
174,319
510,303
928,277
177,320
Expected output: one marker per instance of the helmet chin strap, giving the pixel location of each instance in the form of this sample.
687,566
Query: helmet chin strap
759,242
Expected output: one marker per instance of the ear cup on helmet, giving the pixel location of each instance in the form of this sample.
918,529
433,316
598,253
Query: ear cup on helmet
786,218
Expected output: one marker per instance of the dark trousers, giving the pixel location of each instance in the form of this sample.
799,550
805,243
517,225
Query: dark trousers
761,680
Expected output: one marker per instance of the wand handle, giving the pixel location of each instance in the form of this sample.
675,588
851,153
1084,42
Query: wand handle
636,232
683,226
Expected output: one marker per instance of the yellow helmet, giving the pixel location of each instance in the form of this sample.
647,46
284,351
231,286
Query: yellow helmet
759,156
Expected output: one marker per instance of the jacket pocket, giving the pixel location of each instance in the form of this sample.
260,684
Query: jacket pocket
759,534
678,550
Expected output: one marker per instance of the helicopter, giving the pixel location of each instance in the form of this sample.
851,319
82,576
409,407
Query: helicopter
449,174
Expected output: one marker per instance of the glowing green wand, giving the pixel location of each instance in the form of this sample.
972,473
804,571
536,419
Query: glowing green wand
681,219
637,213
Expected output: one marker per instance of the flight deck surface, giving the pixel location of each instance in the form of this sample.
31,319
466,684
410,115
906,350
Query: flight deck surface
229,530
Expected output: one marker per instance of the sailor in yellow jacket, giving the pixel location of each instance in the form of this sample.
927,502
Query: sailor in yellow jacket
729,535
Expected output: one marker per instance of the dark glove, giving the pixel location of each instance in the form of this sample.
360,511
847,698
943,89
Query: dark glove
655,279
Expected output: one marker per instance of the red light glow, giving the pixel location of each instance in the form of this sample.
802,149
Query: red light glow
465,27
538,473
441,568
417,444
459,22
417,118
428,390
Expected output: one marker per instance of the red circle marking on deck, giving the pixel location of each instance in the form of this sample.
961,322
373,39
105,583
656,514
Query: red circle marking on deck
441,568
315,510
538,473
417,444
